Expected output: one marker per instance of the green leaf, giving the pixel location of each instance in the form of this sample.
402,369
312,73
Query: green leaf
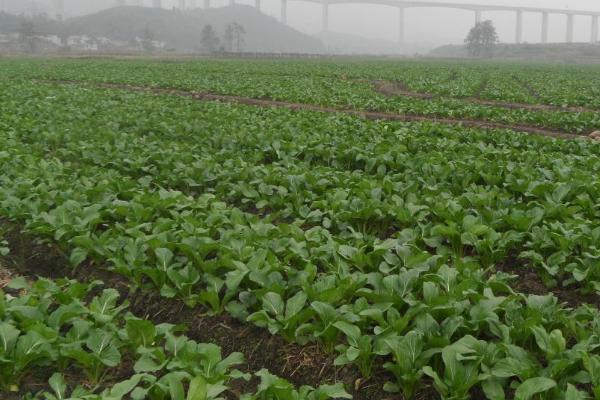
347,252
493,389
352,332
19,283
164,257
273,303
295,304
573,394
8,336
198,389
121,389
175,387
331,392
78,255
140,332
58,385
533,386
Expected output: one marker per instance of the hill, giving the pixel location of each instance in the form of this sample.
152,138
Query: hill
180,30
343,43
567,52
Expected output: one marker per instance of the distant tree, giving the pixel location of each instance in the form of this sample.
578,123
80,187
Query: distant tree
238,36
228,38
209,39
27,34
234,37
64,37
148,40
482,39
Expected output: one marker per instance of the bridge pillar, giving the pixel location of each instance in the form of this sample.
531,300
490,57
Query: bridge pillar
206,4
570,28
284,12
401,25
594,28
519,33
325,17
545,27
477,17
59,9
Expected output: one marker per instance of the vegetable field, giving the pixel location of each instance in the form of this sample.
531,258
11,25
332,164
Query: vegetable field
298,230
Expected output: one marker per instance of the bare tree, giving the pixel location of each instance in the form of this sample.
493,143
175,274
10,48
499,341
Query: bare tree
228,38
234,37
148,40
238,34
209,39
482,39
27,34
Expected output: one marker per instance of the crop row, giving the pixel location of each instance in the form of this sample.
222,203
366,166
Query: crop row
89,347
340,182
302,88
373,301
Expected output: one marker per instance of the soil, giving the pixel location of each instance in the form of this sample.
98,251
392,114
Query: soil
530,282
371,115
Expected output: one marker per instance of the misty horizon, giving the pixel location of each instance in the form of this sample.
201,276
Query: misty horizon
426,27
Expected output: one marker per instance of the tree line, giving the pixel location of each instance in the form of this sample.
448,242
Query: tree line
232,40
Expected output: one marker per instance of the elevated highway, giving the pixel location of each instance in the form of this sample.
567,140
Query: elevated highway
403,5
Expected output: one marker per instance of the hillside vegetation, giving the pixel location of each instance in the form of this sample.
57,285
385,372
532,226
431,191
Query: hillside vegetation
584,52
179,30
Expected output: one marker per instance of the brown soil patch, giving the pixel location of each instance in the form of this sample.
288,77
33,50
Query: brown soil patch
5,276
371,115
481,87
391,89
530,282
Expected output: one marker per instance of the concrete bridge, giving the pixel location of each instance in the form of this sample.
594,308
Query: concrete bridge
402,6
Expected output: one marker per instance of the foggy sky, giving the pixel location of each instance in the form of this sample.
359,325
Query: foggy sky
425,25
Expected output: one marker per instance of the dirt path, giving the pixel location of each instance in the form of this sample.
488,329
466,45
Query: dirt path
391,89
371,115
528,88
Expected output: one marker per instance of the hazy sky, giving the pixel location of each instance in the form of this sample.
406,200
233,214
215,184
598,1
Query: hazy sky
423,25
